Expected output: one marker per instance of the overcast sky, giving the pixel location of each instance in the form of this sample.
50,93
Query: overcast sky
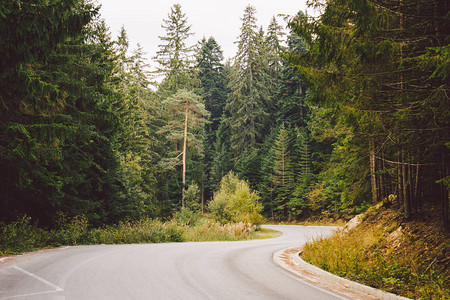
218,18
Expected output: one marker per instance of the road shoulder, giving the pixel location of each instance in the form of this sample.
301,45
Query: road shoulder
290,260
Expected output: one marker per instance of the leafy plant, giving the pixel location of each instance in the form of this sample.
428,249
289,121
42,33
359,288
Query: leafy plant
236,202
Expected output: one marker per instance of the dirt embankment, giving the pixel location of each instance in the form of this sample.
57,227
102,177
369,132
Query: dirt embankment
381,249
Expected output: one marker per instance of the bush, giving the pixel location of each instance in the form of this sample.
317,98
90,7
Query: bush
209,230
192,198
185,217
20,236
144,231
236,202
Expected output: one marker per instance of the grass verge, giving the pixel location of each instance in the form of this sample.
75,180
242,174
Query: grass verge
405,258
22,235
265,233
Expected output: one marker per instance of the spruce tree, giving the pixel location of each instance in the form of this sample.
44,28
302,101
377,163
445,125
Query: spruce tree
175,57
213,82
381,65
134,145
249,95
290,94
221,161
282,175
36,112
274,42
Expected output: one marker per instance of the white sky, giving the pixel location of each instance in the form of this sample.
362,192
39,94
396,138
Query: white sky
218,18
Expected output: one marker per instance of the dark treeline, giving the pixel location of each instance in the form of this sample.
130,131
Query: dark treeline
345,110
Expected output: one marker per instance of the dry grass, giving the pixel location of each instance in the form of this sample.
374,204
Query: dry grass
23,235
208,230
408,259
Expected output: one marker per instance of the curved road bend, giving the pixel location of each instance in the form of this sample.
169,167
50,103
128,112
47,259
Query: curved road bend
206,270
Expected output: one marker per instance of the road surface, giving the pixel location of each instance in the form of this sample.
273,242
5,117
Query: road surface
206,270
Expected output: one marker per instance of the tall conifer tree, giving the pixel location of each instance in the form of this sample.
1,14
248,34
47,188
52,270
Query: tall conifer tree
282,176
249,94
213,81
384,66
175,57
184,128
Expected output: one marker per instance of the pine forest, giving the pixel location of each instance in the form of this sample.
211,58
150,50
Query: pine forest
313,116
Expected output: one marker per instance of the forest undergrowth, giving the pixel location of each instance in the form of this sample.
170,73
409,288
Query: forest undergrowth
408,258
23,235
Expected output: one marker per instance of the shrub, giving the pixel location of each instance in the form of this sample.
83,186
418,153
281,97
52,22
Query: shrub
20,236
236,202
209,230
185,217
144,231
192,198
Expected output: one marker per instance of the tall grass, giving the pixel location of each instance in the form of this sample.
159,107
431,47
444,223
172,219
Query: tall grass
367,255
208,230
22,235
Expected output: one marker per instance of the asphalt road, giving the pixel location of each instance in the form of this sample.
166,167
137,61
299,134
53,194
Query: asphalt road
206,270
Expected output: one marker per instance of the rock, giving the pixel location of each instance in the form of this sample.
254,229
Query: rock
396,237
353,223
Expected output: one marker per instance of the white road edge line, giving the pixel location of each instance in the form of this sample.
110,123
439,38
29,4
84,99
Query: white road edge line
54,286
9,257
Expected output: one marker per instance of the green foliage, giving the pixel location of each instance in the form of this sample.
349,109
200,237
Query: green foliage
380,75
355,107
213,78
247,113
235,202
143,231
50,137
282,174
208,230
221,163
192,197
20,236
30,30
437,60
186,217
174,57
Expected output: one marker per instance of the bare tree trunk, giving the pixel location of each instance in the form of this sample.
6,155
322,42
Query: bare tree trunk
373,177
445,210
401,199
445,195
203,202
416,188
411,188
382,180
406,195
184,155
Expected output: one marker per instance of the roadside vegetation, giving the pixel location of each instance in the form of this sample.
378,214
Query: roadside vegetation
406,258
322,117
235,215
23,235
